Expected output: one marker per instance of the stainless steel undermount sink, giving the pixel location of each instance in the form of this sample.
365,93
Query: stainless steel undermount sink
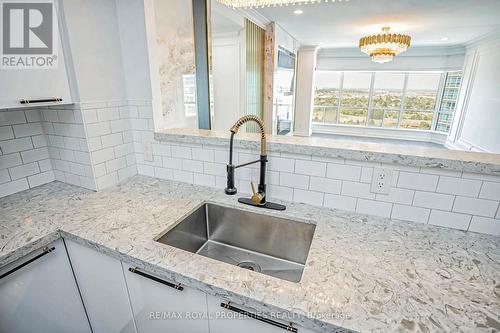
262,243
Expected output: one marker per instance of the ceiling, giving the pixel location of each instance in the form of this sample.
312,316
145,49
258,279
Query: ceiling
429,22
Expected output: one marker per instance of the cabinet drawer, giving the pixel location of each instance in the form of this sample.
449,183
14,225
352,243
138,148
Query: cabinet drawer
163,306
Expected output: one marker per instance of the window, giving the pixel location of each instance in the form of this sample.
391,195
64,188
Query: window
412,100
448,101
386,99
355,98
420,100
326,99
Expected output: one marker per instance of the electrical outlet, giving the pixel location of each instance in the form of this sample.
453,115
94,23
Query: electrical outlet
381,181
148,152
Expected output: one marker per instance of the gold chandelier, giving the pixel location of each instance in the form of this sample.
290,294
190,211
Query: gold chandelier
385,46
270,3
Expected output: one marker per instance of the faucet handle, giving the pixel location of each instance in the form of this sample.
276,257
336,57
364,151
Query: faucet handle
256,197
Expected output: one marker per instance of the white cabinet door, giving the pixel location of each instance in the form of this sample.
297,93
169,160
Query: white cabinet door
42,296
159,307
40,83
103,289
223,320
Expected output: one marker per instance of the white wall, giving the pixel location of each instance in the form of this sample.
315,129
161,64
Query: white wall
481,125
428,59
304,96
227,79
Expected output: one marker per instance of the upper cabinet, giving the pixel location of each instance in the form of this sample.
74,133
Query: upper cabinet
34,56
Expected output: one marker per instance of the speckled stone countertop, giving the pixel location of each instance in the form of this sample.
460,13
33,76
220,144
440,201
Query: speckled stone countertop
363,273
462,161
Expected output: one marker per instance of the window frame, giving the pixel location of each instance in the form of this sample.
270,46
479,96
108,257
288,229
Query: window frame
370,108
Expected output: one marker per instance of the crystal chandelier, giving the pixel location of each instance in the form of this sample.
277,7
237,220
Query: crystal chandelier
270,3
384,47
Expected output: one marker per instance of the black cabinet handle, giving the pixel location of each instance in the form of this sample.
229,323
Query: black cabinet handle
288,327
43,100
154,278
46,250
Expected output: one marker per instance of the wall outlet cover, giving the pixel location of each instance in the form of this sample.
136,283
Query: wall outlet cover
381,181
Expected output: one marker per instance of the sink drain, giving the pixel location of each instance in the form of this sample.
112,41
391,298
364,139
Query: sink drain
250,265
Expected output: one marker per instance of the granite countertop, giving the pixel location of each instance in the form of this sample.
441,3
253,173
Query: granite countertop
457,160
363,273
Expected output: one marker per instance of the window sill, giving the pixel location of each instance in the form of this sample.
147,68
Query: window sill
381,132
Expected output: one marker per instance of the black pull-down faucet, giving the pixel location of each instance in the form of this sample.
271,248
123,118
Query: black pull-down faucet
258,198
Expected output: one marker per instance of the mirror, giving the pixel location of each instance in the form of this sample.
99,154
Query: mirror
420,74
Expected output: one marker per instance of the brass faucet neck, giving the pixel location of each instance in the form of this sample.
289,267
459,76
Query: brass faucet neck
263,142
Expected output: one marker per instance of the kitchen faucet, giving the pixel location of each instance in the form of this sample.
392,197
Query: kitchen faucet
258,198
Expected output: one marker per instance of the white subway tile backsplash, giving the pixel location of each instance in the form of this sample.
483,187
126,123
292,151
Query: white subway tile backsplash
45,165
433,200
459,186
280,164
23,171
343,171
164,173
181,152
172,163
192,165
490,190
279,192
4,176
8,161
116,164
397,195
478,176
326,185
480,207
215,169
6,133
35,155
29,129
485,225
41,178
311,168
440,172
294,180
207,155
366,175
358,190
13,186
98,129
340,202
375,208
183,176
449,219
12,117
308,197
103,155
415,181
111,140
108,114
204,180
410,213
15,145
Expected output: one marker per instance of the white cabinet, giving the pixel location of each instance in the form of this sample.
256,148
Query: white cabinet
37,84
223,320
103,289
158,306
41,296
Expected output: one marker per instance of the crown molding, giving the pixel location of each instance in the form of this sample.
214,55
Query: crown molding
417,51
484,39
